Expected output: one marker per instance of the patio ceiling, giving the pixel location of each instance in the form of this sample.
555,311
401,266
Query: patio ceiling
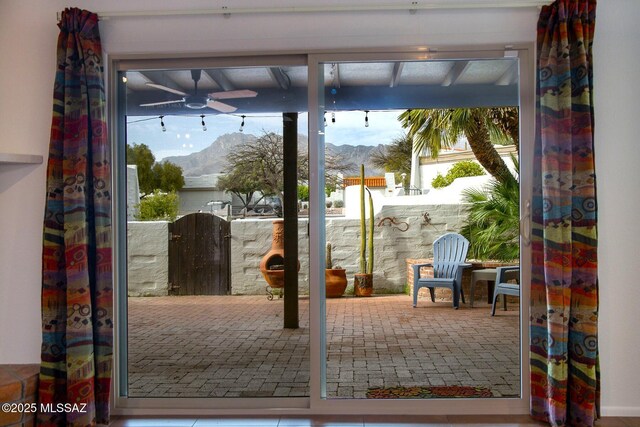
348,86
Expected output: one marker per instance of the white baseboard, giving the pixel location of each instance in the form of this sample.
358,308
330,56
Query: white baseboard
620,411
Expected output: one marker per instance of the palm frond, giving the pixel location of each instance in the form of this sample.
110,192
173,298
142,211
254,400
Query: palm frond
492,227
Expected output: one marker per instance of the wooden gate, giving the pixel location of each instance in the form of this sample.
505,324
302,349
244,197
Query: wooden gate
199,255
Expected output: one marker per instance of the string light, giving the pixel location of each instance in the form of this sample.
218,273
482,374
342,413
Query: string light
164,129
334,89
366,118
242,124
204,127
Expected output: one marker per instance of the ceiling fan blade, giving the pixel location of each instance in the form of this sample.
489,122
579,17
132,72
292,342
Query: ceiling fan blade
233,94
220,106
153,104
166,89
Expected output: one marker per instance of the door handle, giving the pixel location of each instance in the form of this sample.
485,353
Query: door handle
525,224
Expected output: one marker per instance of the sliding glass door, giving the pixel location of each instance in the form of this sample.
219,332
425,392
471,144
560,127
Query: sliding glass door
313,188
436,140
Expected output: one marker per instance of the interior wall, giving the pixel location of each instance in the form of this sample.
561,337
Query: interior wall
616,92
28,38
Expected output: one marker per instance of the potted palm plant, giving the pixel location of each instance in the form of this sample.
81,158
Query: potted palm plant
363,281
335,278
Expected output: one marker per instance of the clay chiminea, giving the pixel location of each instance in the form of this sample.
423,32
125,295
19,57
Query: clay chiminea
272,264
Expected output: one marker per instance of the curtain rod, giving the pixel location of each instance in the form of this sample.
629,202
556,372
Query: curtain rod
412,7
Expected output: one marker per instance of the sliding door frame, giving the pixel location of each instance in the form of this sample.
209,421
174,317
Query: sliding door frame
316,403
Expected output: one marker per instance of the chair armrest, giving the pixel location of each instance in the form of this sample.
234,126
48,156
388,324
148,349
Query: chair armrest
417,267
461,267
501,272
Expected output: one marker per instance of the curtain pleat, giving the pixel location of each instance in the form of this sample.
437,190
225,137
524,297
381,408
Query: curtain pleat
565,383
77,298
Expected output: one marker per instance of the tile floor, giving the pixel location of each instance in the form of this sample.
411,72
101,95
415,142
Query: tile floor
235,346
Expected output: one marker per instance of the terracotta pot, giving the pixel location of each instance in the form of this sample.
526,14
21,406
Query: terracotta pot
275,257
335,282
363,285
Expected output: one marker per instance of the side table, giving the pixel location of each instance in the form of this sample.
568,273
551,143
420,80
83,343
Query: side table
487,274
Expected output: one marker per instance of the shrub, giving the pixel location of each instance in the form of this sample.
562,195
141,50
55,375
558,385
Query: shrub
338,204
303,193
493,224
461,169
329,203
158,206
439,181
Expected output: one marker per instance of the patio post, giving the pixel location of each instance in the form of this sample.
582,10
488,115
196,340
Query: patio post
290,213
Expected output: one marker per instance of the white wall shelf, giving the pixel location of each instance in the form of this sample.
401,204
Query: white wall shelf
19,159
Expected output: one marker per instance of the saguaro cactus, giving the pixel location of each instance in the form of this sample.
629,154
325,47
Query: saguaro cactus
366,252
363,225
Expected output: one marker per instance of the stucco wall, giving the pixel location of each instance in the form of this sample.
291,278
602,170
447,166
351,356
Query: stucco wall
148,258
251,240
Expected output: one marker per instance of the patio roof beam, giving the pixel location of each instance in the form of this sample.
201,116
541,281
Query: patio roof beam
458,69
270,100
509,77
279,77
396,73
220,78
335,75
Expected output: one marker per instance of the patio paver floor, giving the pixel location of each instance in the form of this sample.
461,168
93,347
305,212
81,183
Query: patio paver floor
235,346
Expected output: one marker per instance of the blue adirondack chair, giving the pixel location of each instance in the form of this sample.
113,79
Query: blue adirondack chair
503,286
449,254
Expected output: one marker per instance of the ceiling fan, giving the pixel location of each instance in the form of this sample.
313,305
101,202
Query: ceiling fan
196,101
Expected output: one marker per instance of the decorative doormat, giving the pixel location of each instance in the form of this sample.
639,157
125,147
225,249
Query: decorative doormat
432,392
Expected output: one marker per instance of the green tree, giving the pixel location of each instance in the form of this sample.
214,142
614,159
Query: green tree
493,226
141,156
458,170
437,129
243,183
167,176
158,206
164,176
395,157
260,165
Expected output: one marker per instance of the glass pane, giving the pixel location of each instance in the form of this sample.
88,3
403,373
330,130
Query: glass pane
206,200
429,135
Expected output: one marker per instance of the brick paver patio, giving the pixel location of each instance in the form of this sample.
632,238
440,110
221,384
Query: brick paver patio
235,346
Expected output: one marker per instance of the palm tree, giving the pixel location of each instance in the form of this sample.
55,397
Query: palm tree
395,157
493,228
437,129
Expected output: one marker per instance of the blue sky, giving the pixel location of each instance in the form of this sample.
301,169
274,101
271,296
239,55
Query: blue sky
184,134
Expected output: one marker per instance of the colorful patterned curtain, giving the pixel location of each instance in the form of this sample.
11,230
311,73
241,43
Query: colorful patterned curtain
77,328
565,382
